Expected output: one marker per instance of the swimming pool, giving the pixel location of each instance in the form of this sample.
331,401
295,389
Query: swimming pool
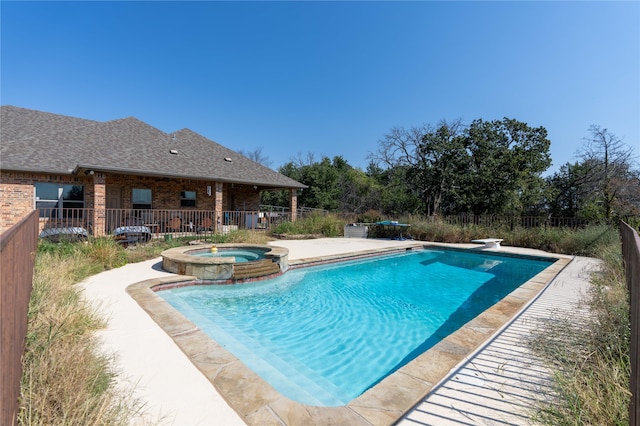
324,335
239,254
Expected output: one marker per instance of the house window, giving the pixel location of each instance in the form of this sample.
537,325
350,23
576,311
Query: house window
141,199
187,198
54,198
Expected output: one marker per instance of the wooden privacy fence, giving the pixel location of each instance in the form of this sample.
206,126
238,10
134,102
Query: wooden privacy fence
631,257
17,259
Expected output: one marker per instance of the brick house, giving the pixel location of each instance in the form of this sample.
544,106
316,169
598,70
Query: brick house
101,175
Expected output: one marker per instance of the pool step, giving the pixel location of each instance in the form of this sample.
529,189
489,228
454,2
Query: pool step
255,269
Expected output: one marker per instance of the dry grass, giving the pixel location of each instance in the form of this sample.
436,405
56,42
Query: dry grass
249,237
328,225
590,358
65,379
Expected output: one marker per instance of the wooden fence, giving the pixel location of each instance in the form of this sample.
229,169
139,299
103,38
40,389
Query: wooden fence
631,256
17,259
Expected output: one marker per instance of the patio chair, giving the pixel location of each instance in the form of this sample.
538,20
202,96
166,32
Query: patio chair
206,224
174,224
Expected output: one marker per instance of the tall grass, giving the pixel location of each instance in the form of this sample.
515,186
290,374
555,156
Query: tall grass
328,225
65,380
590,356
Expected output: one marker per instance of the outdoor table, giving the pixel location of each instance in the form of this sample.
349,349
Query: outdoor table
395,227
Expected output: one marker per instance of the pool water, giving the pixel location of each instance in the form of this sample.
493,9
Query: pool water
241,255
323,335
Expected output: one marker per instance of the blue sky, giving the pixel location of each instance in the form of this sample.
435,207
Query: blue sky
328,78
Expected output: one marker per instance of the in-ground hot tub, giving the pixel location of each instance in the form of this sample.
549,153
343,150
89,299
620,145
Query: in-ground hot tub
226,263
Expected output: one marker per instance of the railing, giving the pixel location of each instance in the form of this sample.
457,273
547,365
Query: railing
302,211
159,222
17,254
631,258
66,218
195,222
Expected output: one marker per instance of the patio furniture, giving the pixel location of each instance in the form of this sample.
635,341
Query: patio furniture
132,234
394,228
147,219
68,233
174,224
205,225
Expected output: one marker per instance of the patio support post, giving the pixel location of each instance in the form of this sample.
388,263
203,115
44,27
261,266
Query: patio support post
218,207
293,204
99,204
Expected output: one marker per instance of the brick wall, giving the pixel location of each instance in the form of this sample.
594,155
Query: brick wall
17,194
16,199
165,193
242,198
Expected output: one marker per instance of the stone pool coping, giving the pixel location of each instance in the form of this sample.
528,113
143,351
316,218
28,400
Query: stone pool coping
224,269
258,403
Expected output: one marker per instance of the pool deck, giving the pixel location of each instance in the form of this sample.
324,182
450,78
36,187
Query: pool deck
482,374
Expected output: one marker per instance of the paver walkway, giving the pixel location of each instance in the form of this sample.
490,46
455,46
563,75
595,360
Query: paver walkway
500,384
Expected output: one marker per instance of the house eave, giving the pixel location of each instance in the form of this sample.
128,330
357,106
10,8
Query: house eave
81,168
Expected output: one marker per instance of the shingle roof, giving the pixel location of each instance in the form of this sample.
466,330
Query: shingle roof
36,141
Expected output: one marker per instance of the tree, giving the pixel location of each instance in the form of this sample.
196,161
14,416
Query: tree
491,166
281,197
330,183
609,167
426,159
507,160
360,192
445,160
568,193
257,156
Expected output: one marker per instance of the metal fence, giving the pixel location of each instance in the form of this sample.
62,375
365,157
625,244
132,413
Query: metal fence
80,223
516,221
184,222
17,259
631,257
